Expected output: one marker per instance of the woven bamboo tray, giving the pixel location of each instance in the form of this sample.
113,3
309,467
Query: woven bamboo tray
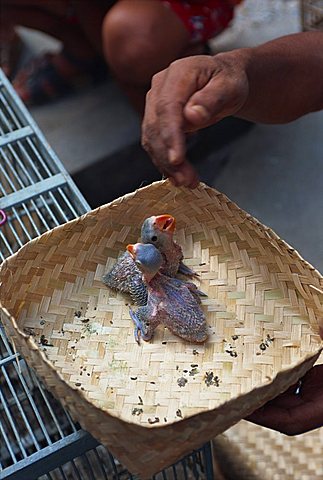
152,403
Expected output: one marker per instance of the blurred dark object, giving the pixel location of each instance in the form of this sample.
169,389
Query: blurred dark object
312,15
114,176
213,138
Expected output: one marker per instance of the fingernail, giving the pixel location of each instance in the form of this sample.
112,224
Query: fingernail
172,156
179,177
201,111
172,181
176,183
194,184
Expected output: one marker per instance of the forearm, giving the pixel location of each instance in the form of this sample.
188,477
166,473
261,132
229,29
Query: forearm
285,78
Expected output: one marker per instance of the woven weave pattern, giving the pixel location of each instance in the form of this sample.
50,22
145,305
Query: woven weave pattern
261,453
264,307
273,456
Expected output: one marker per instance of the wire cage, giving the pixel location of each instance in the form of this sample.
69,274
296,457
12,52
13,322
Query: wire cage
38,438
36,192
312,15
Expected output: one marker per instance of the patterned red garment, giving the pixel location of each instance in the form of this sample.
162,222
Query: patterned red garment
203,19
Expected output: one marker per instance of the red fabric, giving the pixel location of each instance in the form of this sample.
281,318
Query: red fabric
203,20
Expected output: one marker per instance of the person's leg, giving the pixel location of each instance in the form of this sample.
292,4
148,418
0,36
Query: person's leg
52,75
139,39
59,18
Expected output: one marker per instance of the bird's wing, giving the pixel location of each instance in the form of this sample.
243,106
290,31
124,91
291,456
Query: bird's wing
181,313
138,290
191,286
122,273
185,270
180,304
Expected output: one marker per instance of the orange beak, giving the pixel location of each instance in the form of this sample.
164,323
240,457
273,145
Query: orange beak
165,223
131,250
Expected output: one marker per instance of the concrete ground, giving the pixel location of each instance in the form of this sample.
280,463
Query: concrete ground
273,172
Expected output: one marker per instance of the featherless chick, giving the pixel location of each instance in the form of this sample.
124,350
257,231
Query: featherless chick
171,302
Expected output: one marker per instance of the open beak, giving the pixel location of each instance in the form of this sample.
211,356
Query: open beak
165,223
131,249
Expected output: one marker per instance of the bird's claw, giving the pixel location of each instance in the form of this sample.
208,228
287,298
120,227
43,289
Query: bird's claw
137,335
138,331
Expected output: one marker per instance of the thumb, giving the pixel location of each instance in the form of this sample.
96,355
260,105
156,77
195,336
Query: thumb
220,97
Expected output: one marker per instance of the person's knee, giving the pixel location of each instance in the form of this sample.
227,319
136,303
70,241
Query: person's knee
140,39
126,47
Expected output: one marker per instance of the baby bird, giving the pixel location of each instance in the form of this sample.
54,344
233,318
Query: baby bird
127,278
171,302
159,231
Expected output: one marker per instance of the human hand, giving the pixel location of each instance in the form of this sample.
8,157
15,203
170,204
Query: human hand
295,414
192,93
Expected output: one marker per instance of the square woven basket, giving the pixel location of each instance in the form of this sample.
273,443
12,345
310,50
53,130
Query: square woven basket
153,403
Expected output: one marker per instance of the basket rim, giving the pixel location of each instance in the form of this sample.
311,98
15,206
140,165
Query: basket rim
271,235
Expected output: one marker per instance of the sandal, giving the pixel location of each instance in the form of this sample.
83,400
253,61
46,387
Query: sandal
42,80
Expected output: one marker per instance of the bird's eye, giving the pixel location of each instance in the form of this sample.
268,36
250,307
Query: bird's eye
154,238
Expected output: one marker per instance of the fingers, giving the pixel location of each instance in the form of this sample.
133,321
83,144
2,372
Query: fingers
197,114
184,175
190,94
291,421
178,169
294,414
220,97
164,125
180,81
181,175
164,140
163,135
